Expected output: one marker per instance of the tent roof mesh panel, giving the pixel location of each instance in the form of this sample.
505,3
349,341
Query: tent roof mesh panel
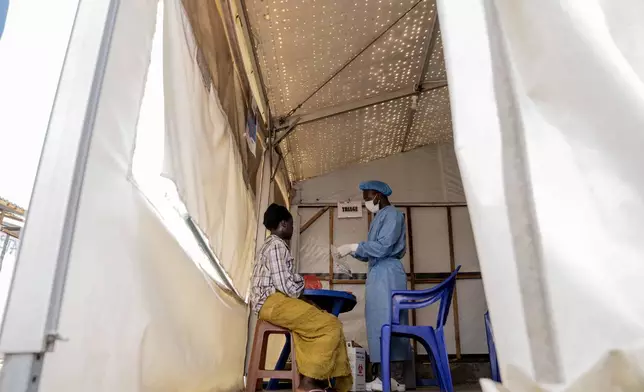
432,121
394,61
300,44
355,137
436,62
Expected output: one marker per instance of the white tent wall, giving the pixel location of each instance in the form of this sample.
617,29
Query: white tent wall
202,156
137,314
427,187
548,106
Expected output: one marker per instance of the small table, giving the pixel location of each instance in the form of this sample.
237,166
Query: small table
332,301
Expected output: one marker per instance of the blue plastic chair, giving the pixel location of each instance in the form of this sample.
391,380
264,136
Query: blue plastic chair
491,348
432,338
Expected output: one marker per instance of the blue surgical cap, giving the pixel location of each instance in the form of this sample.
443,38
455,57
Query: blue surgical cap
377,186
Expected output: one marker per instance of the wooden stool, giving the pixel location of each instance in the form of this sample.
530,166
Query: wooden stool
257,365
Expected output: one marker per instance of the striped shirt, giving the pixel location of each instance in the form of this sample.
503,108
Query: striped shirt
274,271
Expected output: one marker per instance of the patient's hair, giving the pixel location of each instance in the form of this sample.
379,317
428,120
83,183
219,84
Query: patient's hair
275,214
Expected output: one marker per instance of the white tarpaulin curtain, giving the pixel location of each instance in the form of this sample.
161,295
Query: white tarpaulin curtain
548,106
137,314
201,154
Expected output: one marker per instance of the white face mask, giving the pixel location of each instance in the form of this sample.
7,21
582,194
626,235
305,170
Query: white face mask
371,206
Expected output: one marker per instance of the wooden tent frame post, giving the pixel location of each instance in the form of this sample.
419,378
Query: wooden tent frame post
410,251
331,240
452,264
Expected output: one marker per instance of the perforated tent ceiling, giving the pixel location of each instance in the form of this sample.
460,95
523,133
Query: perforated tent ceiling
361,79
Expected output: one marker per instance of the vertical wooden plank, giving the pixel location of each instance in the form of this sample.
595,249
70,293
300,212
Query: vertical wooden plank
295,239
410,236
331,220
452,262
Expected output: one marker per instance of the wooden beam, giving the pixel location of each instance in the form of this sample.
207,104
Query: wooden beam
461,276
313,219
452,263
469,276
398,204
410,251
8,206
331,240
362,281
348,281
9,215
9,233
249,59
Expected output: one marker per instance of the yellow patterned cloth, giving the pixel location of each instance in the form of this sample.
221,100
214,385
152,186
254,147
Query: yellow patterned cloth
320,348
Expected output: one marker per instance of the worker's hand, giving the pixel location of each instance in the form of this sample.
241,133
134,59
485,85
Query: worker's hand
347,249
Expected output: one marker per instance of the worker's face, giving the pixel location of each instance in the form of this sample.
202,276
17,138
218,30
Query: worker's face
286,229
371,195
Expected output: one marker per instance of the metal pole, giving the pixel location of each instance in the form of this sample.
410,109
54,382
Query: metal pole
431,41
288,132
346,107
205,247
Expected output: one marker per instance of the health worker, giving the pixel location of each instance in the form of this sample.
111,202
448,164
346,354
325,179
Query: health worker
383,250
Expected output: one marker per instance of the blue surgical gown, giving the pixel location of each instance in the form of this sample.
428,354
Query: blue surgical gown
384,249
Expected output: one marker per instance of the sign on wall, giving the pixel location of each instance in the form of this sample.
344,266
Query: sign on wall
351,209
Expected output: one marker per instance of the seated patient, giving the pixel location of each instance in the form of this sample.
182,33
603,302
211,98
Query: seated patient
320,348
